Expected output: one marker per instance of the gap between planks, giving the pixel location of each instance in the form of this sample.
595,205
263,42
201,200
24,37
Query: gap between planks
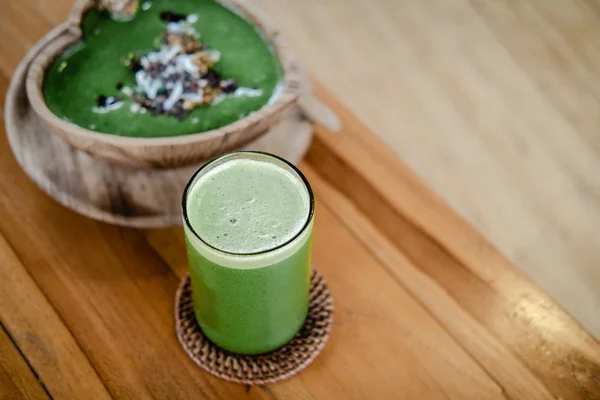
18,379
42,337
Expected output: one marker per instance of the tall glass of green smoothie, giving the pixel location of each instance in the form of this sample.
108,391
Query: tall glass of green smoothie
248,219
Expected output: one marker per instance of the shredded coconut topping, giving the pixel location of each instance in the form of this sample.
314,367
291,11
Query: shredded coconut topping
176,77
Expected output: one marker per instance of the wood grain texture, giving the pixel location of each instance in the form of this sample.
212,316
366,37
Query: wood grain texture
41,336
434,238
462,302
17,380
511,374
426,307
495,105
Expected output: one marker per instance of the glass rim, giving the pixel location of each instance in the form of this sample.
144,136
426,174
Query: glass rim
188,185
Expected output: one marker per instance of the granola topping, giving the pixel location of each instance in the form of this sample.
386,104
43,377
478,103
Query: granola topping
177,76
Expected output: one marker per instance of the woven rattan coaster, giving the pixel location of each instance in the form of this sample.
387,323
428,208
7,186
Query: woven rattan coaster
264,368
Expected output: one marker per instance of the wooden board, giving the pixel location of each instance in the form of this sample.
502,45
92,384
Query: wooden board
425,307
38,330
17,381
402,329
123,195
495,104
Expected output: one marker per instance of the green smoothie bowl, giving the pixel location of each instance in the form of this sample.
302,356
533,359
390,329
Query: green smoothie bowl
162,83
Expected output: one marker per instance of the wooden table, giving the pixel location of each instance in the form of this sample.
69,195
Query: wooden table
495,104
425,307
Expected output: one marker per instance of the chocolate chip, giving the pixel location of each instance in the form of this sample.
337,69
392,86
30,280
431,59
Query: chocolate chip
171,16
134,64
213,78
228,86
101,101
179,112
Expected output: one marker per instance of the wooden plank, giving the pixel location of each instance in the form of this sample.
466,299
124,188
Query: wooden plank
556,44
446,248
169,244
37,329
46,13
594,5
515,150
41,336
26,23
4,82
17,381
508,371
110,289
24,27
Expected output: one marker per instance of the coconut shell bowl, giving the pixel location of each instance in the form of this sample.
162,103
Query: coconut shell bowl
169,151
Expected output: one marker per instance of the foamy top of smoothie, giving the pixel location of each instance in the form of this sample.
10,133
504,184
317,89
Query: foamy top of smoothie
247,205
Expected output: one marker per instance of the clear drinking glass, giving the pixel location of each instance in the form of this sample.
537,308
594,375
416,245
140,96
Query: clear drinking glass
249,302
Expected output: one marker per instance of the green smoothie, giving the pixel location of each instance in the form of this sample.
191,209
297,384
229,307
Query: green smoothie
94,69
248,225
